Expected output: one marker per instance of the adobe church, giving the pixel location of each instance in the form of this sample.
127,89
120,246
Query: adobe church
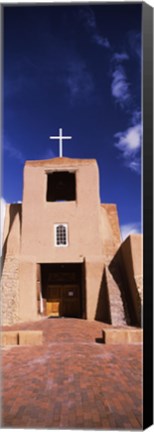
62,250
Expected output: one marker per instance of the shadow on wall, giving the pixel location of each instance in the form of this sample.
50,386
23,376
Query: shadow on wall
103,307
14,210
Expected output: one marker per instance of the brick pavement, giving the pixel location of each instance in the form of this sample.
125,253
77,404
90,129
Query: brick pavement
71,381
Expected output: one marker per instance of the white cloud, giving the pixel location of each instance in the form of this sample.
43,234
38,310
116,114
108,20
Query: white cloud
119,57
134,165
120,87
3,209
13,152
88,18
134,40
136,117
131,228
129,143
102,41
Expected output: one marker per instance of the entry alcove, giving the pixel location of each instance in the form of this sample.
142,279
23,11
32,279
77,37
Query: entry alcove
63,289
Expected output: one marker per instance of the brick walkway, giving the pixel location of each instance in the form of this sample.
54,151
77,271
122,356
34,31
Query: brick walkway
71,381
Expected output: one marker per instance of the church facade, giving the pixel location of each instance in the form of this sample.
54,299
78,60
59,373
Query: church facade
62,250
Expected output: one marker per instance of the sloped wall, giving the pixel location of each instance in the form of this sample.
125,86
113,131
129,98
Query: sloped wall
109,231
132,253
127,265
111,210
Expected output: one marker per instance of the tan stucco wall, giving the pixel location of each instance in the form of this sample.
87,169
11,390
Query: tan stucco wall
93,228
94,273
12,228
93,233
112,215
28,290
109,231
90,230
82,215
132,258
136,244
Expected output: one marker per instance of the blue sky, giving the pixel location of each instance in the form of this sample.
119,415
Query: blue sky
77,67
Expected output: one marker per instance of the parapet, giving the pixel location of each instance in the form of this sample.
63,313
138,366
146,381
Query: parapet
63,161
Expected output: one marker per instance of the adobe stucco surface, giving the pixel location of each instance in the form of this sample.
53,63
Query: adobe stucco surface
110,231
93,233
112,214
132,252
39,216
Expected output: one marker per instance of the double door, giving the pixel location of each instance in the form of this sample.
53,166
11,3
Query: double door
63,300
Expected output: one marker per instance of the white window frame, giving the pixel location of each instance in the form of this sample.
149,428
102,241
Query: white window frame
55,234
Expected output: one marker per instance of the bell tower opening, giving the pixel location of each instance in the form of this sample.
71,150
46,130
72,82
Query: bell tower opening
61,186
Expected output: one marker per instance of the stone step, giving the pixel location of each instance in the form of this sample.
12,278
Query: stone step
122,336
21,337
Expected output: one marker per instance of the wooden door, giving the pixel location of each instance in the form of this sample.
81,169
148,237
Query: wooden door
53,300
70,303
52,308
63,300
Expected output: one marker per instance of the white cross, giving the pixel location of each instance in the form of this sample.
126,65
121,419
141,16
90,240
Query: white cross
61,138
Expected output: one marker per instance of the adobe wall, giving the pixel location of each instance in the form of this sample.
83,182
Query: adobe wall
93,231
82,215
111,210
12,229
94,269
110,231
130,255
10,264
28,289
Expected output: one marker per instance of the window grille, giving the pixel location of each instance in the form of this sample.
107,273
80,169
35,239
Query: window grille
61,235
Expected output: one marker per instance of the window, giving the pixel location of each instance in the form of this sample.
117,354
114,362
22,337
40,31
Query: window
61,235
61,186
